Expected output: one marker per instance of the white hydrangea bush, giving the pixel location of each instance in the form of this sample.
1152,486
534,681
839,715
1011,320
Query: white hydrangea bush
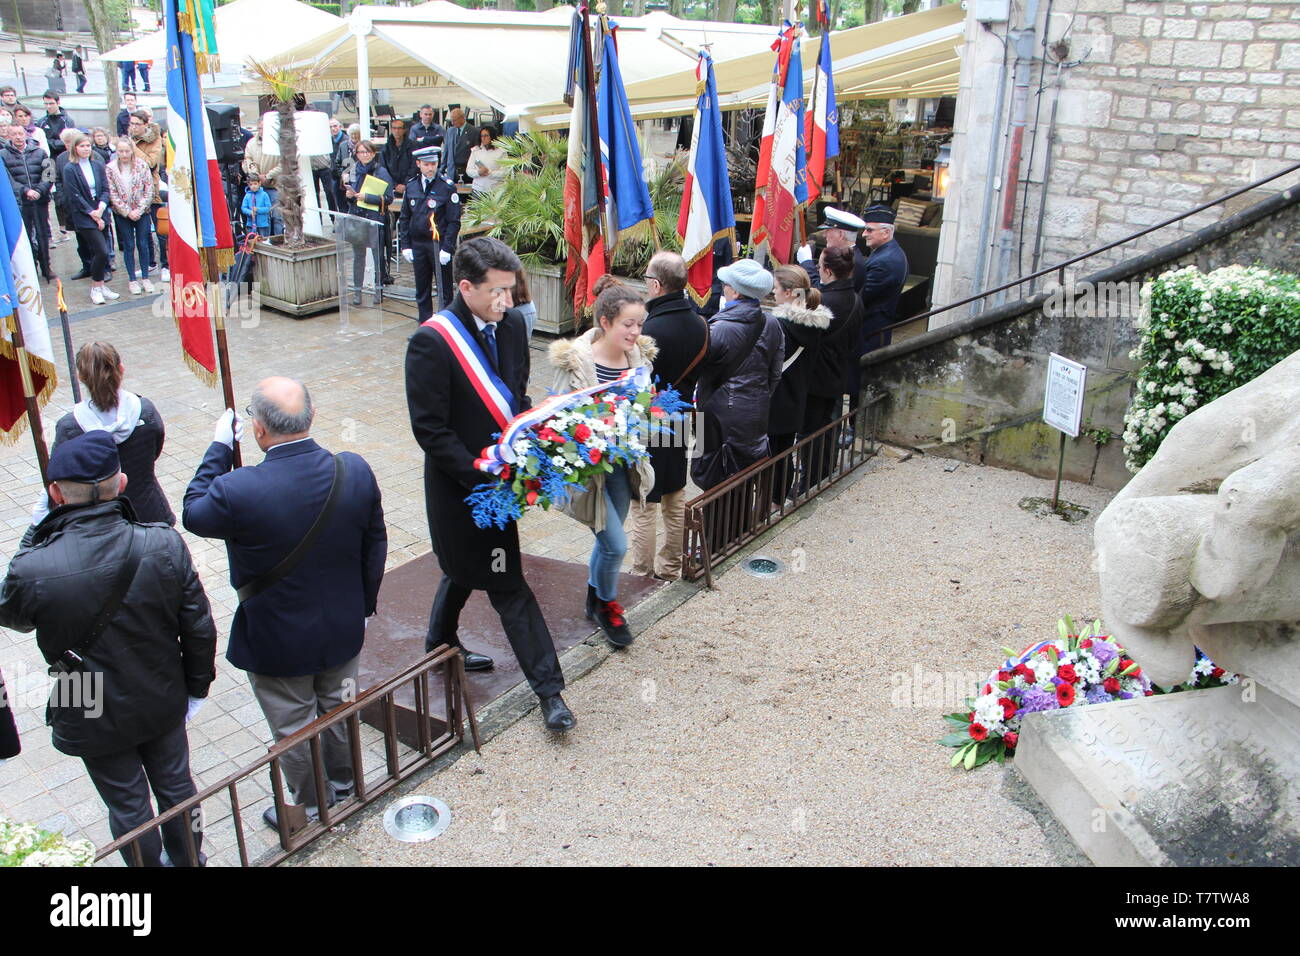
1202,335
22,844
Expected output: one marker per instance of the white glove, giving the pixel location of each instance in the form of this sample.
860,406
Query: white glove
193,707
408,255
804,254
444,256
229,429
42,507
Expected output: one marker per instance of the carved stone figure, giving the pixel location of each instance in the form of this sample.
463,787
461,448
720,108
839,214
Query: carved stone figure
1203,545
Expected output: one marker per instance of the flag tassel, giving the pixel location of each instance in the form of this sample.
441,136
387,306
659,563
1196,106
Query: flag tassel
29,396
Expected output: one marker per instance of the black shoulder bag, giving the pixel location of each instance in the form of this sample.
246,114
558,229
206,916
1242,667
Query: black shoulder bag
71,660
282,570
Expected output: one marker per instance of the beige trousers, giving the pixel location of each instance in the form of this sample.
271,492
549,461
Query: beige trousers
669,561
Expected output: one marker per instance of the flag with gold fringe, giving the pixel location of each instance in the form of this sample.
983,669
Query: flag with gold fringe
26,361
196,201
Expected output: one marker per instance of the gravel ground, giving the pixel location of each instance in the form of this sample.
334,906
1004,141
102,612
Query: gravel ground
770,722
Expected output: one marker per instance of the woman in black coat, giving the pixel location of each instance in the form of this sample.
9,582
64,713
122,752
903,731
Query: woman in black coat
368,164
132,420
804,321
85,189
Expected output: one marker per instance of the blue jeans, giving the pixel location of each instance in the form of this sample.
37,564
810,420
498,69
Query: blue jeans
128,76
277,224
133,236
611,544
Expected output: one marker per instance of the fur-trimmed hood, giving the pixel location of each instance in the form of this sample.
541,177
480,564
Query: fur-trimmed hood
573,358
818,318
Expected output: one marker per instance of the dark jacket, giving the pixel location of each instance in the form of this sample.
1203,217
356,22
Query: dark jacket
465,138
735,406
679,333
453,426
139,445
413,223
123,121
886,275
53,126
422,136
359,173
106,153
80,200
160,646
313,619
803,330
840,345
859,270
397,159
10,746
29,169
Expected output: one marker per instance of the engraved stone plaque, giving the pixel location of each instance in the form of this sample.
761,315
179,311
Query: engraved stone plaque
1199,778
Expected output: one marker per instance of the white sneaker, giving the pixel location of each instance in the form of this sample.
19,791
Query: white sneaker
148,286
110,294
166,276
96,296
134,287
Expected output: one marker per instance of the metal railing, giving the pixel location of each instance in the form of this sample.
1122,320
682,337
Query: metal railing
1060,267
295,830
722,520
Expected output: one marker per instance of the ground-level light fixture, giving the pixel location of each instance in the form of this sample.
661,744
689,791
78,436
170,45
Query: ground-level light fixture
416,819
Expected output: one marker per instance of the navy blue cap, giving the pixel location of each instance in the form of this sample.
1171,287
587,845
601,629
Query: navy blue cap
87,458
880,214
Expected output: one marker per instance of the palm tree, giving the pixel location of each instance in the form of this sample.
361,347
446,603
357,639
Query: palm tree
283,85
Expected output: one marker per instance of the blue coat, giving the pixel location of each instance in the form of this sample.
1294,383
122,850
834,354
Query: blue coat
257,208
314,619
886,274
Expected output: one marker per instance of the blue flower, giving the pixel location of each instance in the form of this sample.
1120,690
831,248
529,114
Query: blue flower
1035,700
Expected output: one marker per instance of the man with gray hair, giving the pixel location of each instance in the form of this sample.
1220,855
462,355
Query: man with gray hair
305,535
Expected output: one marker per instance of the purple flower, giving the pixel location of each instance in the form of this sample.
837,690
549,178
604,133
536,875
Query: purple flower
1125,695
1096,695
1103,652
1034,700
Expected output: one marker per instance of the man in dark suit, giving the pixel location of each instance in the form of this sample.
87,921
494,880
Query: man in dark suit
881,287
299,628
426,132
455,409
428,227
459,138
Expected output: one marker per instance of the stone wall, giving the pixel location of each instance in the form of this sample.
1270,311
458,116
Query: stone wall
1159,107
976,393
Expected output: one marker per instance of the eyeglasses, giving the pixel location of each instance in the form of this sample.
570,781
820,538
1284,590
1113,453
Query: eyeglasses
649,278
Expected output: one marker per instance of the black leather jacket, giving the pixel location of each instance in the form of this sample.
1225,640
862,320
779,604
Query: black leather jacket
159,648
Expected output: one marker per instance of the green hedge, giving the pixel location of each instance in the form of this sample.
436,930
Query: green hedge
1202,336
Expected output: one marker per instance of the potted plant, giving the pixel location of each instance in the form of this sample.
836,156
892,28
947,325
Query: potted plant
299,274
526,212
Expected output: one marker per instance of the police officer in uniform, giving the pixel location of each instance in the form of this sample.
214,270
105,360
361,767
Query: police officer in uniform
428,227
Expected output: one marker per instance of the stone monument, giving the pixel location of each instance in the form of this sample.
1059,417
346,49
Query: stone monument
1201,548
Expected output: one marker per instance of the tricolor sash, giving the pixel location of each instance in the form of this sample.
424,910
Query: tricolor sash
496,395
496,457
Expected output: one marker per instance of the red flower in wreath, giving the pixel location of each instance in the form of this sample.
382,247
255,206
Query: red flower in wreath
551,435
988,688
593,455
1111,684
1066,672
1008,707
979,731
1004,675
1024,671
1010,739
582,433
531,498
1086,642
1217,673
1065,694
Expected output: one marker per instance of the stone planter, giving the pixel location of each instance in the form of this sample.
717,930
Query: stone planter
554,304
298,282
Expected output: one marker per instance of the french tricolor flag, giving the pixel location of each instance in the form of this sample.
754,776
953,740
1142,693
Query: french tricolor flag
706,214
781,188
823,124
195,200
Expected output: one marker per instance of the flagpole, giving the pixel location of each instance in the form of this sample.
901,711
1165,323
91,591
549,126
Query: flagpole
67,343
212,276
29,396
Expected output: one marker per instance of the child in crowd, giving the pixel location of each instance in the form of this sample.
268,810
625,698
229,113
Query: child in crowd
257,207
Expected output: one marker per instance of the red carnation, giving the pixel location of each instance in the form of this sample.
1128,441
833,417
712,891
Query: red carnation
582,433
1124,662
593,455
1065,694
1066,672
1004,675
988,688
979,731
1010,739
1217,672
1008,707
531,498
1086,642
970,718
1111,684
505,472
